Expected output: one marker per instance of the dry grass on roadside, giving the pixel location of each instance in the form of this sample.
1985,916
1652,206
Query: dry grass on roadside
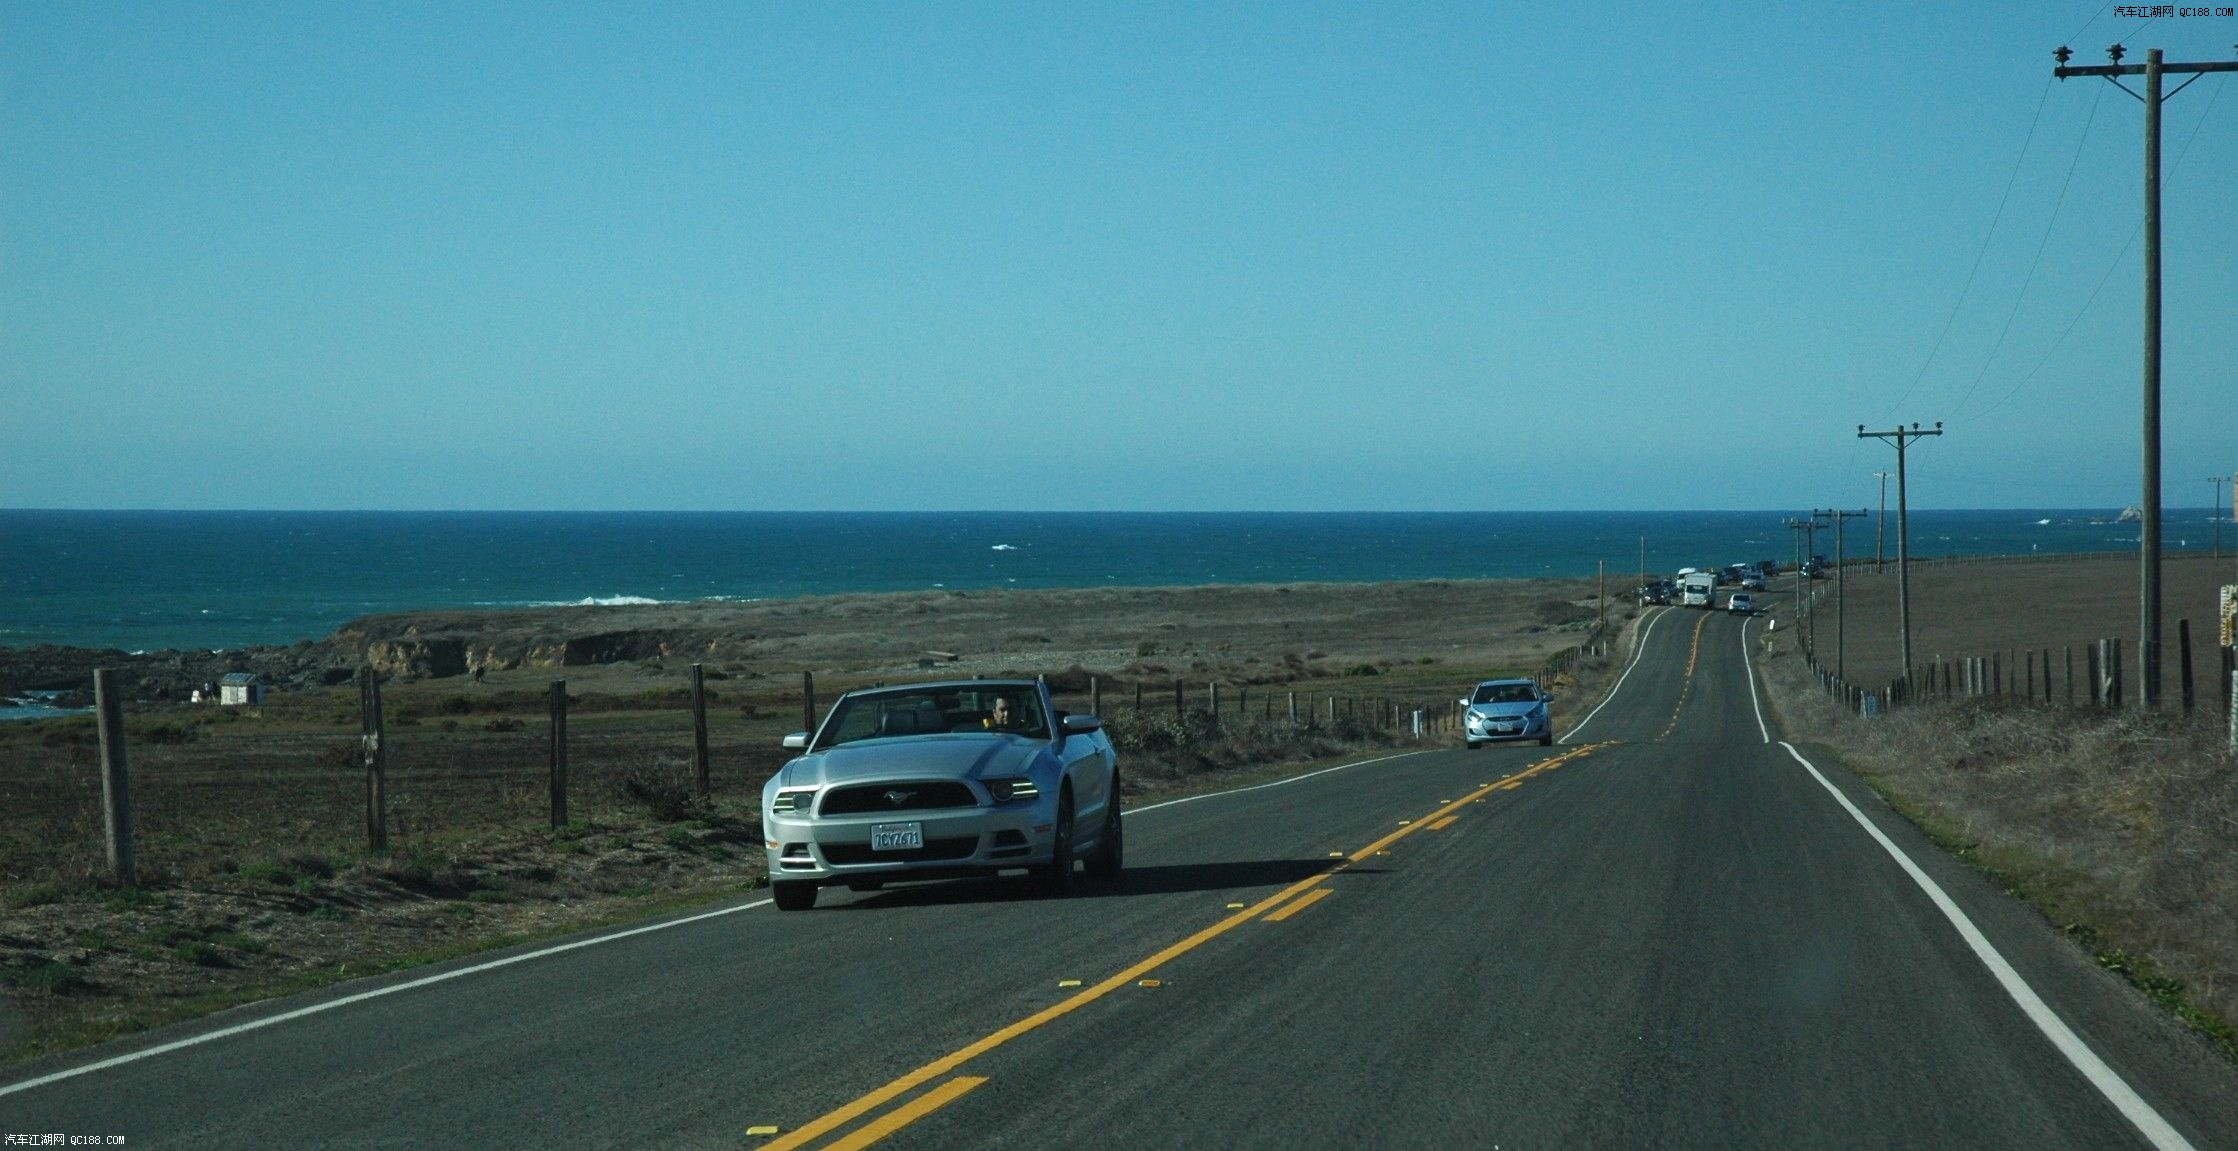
2121,827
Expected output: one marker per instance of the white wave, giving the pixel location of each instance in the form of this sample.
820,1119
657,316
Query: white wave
599,601
1003,548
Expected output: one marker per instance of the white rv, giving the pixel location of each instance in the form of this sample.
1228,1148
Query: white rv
1698,589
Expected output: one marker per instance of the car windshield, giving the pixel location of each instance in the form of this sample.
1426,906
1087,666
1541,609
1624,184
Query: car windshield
1505,693
1012,708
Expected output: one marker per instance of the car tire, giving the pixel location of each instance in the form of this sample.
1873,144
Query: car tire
1111,850
1475,744
1054,878
793,895
1547,740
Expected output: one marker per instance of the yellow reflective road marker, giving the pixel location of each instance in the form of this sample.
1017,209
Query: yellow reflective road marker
1149,983
1442,824
1336,855
764,1129
1068,983
907,1114
1235,907
1300,904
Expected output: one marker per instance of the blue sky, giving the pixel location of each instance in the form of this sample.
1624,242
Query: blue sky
788,256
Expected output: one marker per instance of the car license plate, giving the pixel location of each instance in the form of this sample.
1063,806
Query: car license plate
897,836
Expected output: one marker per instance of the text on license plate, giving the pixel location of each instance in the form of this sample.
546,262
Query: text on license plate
896,836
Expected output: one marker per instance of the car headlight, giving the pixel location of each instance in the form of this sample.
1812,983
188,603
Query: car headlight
792,802
1015,788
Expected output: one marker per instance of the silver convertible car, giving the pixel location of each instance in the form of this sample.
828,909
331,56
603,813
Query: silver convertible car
934,780
1503,709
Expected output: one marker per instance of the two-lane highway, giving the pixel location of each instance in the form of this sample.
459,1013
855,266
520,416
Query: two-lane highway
1669,931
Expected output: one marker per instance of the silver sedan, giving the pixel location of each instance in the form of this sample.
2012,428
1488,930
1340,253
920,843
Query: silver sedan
936,780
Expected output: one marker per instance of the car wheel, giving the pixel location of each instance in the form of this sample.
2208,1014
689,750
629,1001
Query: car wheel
1547,740
1475,744
1056,876
1111,853
793,895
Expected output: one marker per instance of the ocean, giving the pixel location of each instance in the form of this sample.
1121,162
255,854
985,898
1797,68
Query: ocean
148,580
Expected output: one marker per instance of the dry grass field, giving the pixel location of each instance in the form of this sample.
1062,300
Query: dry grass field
1967,609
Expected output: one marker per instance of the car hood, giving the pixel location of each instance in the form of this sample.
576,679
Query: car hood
918,757
1508,710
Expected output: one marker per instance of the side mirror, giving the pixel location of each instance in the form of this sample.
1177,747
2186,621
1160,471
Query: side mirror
1550,697
1075,724
1463,701
797,741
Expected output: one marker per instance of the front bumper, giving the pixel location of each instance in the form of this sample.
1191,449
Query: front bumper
1493,729
958,841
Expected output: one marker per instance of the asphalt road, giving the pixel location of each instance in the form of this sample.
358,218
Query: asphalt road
1667,932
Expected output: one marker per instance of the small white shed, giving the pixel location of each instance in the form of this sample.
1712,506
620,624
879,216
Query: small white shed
241,687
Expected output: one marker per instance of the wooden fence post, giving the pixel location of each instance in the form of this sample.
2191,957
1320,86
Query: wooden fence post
116,778
808,702
699,729
1138,697
2047,675
1293,709
2183,654
2070,678
1178,707
1212,698
375,746
2095,654
2113,662
559,753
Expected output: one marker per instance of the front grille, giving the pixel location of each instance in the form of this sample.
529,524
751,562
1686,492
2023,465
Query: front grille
934,850
884,797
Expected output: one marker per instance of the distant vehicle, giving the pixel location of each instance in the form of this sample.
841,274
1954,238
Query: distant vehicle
1742,603
1770,568
1698,589
932,780
1752,578
1507,709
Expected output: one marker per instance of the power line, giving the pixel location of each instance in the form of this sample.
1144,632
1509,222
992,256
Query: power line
2220,83
1995,219
2030,278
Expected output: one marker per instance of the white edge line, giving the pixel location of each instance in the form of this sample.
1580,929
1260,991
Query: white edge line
426,980
2140,1114
1749,665
360,997
1638,654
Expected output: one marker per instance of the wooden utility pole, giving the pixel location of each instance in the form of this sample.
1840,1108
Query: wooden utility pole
559,753
2148,535
808,702
1840,561
699,730
1902,436
116,778
376,759
1880,532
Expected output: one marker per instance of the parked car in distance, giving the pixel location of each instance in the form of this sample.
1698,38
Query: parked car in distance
1752,578
936,780
1500,710
1742,603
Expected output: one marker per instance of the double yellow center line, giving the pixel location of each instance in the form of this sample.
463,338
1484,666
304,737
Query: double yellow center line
1686,685
954,1088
